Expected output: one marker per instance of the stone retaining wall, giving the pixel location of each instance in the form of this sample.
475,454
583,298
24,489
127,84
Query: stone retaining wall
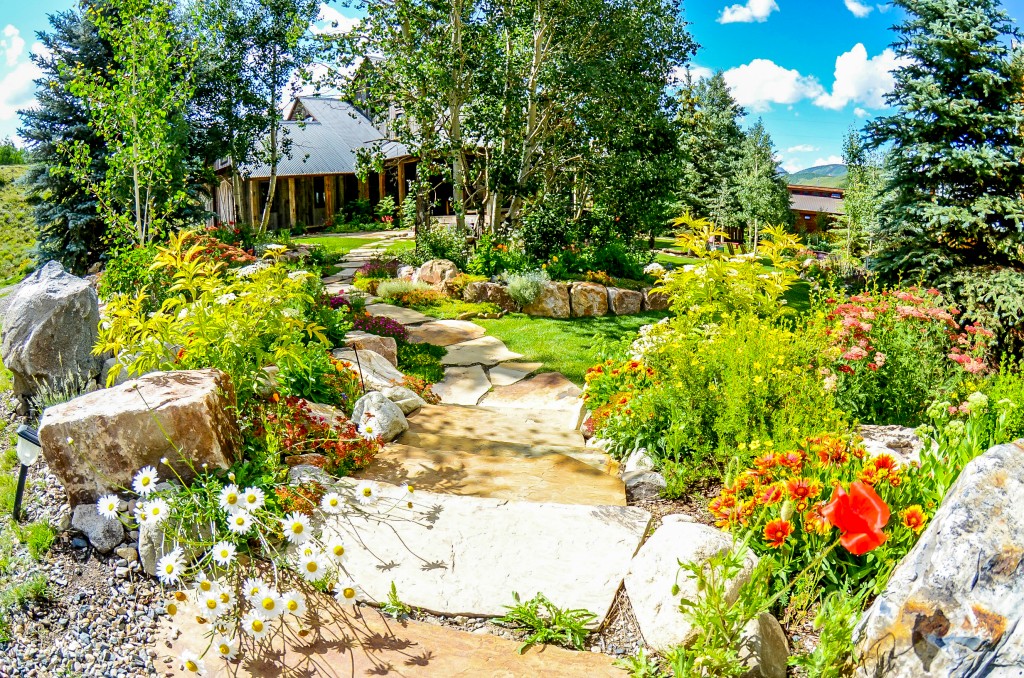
571,300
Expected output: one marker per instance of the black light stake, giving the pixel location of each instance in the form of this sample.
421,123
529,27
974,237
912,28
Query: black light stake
28,453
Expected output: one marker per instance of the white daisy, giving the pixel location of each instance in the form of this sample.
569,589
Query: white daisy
141,514
107,506
223,553
168,568
204,584
240,523
255,625
251,587
230,498
225,299
366,492
299,275
227,600
209,603
294,603
191,663
332,503
252,498
171,607
268,603
345,592
312,568
145,481
335,549
296,527
275,247
226,648
157,510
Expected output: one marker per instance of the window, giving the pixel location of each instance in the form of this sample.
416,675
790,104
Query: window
807,217
319,197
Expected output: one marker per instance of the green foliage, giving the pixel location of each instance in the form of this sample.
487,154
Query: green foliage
37,537
525,287
17,227
639,665
129,271
839,613
394,606
407,293
760,189
954,197
439,241
314,375
422,361
491,257
719,617
11,154
544,622
994,299
385,207
859,220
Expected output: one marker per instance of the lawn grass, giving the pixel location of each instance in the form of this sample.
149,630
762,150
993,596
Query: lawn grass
449,309
400,246
337,244
17,227
566,346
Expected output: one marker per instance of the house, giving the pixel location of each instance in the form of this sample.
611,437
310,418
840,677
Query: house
815,206
316,177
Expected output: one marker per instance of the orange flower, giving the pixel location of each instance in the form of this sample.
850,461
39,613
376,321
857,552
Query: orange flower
868,475
860,515
914,518
885,464
815,521
276,397
801,488
771,494
766,461
792,460
776,532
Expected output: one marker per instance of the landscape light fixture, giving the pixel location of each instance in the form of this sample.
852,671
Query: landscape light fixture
28,453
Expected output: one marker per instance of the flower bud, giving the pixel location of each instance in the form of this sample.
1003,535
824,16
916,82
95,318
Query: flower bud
787,509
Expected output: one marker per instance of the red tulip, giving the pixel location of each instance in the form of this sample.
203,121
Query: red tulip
860,515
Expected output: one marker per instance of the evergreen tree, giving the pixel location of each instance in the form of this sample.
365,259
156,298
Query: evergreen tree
954,198
70,229
711,140
861,198
761,188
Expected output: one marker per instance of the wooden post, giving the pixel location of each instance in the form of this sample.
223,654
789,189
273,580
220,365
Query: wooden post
328,196
292,197
254,201
364,190
401,182
341,189
380,178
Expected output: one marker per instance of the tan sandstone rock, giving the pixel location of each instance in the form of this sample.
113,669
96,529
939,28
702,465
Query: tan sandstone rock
436,271
181,416
625,302
384,346
588,299
655,301
552,302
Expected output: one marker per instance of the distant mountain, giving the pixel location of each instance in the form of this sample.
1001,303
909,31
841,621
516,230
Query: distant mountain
833,176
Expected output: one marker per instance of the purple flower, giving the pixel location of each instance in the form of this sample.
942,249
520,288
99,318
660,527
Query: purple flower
381,326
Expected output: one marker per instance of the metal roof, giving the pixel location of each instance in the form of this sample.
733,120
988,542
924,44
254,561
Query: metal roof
327,141
815,203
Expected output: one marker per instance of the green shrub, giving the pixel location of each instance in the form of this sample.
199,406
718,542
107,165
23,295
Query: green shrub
526,287
994,299
422,361
491,257
407,293
547,623
129,272
439,241
314,375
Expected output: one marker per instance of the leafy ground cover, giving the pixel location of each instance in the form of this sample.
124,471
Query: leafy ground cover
17,227
566,346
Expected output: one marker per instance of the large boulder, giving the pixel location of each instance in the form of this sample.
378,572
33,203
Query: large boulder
493,293
49,332
97,442
901,442
436,271
374,369
625,302
954,606
552,302
407,400
654,300
588,299
378,417
384,346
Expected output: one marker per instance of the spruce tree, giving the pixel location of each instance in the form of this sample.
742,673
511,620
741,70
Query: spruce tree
711,139
70,229
954,197
761,188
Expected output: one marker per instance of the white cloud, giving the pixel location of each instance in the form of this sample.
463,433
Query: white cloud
330,20
794,166
12,44
802,148
752,11
861,80
859,9
860,112
762,82
17,89
698,72
830,160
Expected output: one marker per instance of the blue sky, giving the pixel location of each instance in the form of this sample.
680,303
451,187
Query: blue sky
809,68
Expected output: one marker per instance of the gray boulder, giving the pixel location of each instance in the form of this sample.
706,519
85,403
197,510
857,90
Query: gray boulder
405,398
953,607
49,332
377,416
104,534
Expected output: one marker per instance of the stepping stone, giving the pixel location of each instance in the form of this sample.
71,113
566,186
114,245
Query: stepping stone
549,391
376,371
528,427
484,351
506,374
329,279
445,332
345,641
457,555
406,316
462,385
480,468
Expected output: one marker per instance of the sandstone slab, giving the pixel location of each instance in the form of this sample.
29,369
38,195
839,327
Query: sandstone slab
376,371
953,607
484,351
506,374
186,417
467,555
384,346
655,301
406,399
625,302
462,385
445,332
493,293
406,316
653,572
588,299
552,302
49,331
344,641
538,428
550,392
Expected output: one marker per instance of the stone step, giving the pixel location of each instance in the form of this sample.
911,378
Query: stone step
550,392
345,641
405,316
481,468
528,427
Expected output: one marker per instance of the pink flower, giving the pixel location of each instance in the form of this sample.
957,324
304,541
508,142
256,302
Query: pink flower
879,359
855,353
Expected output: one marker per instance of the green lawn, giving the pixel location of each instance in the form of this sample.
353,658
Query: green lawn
17,227
400,246
337,244
566,346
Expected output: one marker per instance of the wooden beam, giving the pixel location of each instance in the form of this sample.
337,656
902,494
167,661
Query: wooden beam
380,178
328,196
254,201
364,190
292,197
401,182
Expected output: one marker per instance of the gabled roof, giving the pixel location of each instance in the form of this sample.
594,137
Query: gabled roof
814,203
323,136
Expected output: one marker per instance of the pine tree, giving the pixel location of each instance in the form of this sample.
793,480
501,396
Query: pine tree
861,198
954,194
70,229
711,139
761,188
